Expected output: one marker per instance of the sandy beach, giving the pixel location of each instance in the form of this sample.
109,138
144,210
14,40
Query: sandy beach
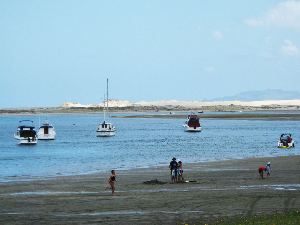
219,189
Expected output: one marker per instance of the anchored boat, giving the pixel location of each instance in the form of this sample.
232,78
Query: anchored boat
192,124
26,134
286,141
106,129
46,131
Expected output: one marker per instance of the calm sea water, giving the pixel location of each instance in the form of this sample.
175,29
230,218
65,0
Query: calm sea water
138,143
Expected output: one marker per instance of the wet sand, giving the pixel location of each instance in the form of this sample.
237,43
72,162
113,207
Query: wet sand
221,189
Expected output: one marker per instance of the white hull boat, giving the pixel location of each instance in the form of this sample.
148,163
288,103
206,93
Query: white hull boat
192,129
106,129
26,134
46,132
192,124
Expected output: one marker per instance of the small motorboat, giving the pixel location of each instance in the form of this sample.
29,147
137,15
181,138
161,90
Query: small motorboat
286,141
192,124
46,131
26,134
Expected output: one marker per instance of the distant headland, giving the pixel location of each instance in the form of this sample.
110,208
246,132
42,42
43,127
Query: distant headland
125,106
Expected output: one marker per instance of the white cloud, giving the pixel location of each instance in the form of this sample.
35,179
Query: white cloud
217,34
209,69
290,49
285,14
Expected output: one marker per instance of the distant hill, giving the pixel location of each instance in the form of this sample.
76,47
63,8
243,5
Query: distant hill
249,96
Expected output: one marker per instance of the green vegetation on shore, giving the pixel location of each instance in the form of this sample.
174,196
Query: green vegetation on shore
292,218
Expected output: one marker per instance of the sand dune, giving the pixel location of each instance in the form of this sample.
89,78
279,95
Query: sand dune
190,104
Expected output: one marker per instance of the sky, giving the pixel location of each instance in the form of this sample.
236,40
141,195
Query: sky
58,51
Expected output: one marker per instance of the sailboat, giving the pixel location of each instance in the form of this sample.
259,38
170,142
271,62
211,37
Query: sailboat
106,129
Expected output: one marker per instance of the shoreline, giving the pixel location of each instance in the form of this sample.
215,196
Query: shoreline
161,167
284,114
221,188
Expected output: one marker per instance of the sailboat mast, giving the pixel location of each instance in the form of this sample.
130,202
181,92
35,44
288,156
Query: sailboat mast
107,94
104,108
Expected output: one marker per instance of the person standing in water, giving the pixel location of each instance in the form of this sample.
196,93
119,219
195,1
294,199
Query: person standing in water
112,180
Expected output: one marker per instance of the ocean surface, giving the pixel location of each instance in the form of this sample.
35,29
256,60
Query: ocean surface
139,143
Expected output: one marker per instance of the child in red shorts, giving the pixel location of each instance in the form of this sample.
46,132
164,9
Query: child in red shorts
261,171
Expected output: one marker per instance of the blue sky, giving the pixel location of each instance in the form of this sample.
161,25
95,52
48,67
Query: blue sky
53,51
